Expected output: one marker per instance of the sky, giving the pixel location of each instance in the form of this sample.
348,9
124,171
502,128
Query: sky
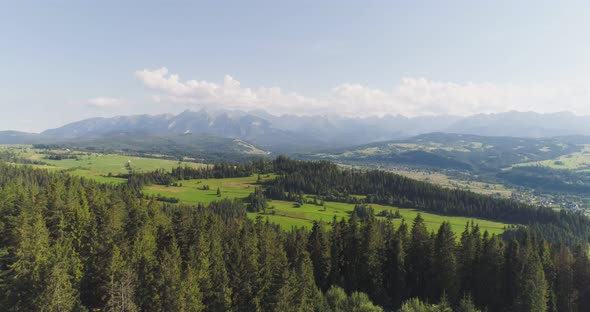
62,61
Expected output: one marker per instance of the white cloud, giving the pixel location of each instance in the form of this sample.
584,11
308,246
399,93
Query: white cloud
101,102
411,97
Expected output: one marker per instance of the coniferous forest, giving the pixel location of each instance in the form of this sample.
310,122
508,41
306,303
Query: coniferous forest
71,244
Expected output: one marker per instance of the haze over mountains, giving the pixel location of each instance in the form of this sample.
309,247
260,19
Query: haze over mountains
290,133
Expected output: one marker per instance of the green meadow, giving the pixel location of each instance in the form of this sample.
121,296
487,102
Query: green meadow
98,166
579,161
288,214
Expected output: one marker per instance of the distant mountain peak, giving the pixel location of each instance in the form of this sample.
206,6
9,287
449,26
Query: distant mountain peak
303,132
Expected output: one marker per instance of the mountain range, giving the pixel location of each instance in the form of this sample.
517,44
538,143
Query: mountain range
290,133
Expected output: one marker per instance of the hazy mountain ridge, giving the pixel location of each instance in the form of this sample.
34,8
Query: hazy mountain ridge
291,133
259,125
523,124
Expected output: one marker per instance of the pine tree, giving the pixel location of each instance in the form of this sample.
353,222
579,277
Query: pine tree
531,291
191,291
243,269
145,265
274,268
490,291
445,264
286,297
336,277
469,253
319,248
466,305
352,258
419,258
511,270
32,259
395,268
218,298
171,282
121,285
550,274
372,256
581,270
61,291
306,287
565,291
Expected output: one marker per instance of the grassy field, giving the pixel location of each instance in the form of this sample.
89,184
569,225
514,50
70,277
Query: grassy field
446,181
307,213
192,191
98,166
579,161
287,214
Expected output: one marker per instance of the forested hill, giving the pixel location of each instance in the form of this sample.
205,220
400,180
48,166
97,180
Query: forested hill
70,244
329,181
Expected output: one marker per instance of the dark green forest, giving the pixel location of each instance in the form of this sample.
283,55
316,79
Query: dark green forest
71,244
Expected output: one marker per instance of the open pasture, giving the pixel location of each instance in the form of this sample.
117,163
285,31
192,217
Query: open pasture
579,161
287,214
97,166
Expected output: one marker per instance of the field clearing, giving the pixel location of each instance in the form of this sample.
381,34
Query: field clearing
97,166
115,164
312,213
446,181
286,213
192,191
579,161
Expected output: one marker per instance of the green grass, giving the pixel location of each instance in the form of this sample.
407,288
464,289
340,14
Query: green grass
448,182
579,161
104,164
287,215
309,213
192,191
98,166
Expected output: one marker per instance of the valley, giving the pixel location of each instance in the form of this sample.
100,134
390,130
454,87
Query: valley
107,168
294,156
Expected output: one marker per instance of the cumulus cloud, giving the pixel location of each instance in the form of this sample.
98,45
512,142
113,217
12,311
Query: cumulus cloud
411,97
102,102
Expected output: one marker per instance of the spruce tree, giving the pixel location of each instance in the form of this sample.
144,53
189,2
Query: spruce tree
581,270
32,260
491,287
419,258
445,279
121,284
531,286
466,305
171,281
565,291
218,298
319,248
61,288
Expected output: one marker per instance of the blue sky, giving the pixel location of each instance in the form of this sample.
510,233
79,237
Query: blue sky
66,60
